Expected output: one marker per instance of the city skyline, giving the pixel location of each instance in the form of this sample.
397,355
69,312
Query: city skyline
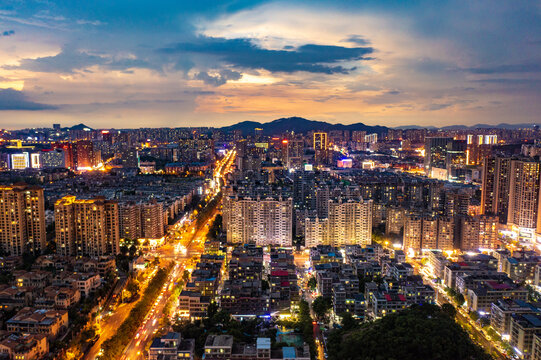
182,64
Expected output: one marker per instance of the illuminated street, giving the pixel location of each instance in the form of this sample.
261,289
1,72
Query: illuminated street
191,244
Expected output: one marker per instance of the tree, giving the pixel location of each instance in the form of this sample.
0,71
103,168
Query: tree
133,250
449,309
348,322
459,298
419,332
186,276
312,283
265,285
321,306
132,287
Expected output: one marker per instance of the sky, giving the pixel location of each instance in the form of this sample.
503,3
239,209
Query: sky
169,63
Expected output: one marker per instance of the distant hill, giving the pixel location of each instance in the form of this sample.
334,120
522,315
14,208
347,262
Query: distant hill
476,126
79,127
299,125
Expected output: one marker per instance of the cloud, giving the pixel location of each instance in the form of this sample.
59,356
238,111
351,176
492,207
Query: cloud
11,99
435,107
356,39
218,79
66,61
506,69
7,33
509,81
70,60
243,53
89,22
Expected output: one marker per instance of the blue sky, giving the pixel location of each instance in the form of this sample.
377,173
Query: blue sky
210,63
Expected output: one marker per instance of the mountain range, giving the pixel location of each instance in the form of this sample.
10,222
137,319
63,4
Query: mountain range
299,125
302,125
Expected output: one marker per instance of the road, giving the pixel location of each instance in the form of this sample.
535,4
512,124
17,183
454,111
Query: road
191,243
151,324
108,321
308,296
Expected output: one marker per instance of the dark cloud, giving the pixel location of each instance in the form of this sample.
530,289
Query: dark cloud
70,60
435,107
11,99
67,61
356,39
509,81
506,69
244,53
220,78
8,33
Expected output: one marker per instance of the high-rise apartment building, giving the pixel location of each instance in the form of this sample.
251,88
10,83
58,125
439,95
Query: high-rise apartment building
524,193
152,220
495,188
428,233
413,228
478,232
295,152
265,221
394,223
130,221
87,227
316,232
22,219
86,156
350,222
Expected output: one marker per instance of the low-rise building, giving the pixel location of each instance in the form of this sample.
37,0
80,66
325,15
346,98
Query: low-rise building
502,310
385,303
193,305
58,298
523,329
39,321
13,297
482,297
86,283
218,347
171,347
24,347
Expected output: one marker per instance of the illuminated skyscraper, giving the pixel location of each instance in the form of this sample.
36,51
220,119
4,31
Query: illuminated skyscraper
22,219
87,227
321,148
524,193
436,155
495,188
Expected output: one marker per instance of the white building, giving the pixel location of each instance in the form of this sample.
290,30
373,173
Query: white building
263,221
349,223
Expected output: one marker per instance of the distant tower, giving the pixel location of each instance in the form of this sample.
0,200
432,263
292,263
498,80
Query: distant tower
321,147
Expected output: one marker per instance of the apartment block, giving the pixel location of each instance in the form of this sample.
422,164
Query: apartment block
22,219
87,227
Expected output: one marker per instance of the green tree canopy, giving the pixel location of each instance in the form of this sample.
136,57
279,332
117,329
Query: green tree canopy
420,332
